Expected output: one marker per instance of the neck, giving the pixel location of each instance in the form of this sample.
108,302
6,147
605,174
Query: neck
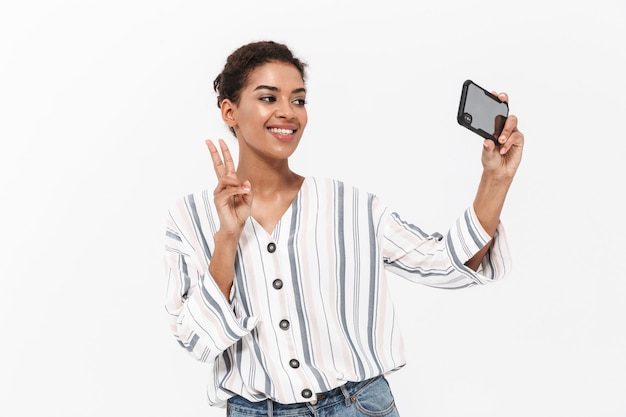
269,178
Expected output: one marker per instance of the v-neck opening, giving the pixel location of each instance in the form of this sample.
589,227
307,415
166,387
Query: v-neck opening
273,234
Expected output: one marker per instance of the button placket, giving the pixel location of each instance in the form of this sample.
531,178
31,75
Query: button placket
288,349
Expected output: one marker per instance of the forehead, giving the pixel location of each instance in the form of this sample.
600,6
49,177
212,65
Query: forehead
275,74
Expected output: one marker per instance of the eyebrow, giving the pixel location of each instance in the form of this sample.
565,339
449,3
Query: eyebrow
271,88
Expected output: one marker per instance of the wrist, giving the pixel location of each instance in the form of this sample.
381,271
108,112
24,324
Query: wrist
493,179
226,239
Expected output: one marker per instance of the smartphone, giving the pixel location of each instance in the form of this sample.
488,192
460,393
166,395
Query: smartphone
482,112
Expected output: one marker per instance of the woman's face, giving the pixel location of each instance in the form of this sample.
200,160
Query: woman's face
271,115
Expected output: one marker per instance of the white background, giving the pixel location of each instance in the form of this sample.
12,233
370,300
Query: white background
104,109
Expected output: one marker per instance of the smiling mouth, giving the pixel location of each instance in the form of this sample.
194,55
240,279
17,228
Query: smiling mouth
281,131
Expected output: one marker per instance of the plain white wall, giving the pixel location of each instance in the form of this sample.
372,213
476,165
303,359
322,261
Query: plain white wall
104,109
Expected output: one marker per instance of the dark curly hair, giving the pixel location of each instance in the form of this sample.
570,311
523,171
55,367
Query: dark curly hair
240,63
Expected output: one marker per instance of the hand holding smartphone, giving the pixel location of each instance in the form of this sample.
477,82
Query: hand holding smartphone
482,112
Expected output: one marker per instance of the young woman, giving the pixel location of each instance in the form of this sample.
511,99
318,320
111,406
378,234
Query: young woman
278,282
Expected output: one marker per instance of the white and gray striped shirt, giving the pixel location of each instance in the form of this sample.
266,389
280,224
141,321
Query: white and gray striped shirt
310,308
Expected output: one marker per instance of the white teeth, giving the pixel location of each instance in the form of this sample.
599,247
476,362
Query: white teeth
281,131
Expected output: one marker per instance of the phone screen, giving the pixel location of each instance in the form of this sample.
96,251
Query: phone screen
482,112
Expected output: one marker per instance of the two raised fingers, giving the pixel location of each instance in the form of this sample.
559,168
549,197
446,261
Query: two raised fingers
224,166
221,167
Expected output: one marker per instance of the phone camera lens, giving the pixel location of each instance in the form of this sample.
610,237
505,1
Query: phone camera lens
467,117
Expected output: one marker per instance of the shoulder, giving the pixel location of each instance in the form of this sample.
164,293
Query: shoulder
192,203
343,193
337,185
193,214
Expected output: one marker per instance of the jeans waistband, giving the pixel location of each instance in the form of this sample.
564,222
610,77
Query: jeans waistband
344,393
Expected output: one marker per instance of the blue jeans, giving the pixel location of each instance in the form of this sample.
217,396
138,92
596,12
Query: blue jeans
370,398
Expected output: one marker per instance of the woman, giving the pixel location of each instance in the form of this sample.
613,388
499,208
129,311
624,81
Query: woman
278,282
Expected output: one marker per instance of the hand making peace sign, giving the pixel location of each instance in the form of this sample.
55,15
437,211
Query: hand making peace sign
232,197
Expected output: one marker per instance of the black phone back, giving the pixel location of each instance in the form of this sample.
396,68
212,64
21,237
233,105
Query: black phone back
481,112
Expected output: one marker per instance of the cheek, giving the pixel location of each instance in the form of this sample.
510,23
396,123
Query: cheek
303,118
254,114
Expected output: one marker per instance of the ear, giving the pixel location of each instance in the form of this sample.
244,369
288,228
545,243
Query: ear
228,113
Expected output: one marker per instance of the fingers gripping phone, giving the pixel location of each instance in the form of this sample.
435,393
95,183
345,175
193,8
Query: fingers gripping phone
482,112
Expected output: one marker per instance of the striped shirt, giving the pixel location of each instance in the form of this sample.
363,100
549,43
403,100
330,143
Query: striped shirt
310,308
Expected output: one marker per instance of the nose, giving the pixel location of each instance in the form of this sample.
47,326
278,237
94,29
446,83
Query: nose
285,111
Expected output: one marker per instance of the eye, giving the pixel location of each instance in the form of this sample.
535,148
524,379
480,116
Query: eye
268,99
299,101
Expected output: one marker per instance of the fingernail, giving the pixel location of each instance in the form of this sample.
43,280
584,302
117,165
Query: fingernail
502,139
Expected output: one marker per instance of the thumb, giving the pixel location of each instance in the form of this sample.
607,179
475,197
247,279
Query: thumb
488,145
247,197
490,152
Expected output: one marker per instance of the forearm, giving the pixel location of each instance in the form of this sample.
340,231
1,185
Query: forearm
222,266
489,200
488,205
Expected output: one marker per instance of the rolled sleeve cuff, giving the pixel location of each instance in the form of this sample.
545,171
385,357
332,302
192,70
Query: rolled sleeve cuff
467,237
209,323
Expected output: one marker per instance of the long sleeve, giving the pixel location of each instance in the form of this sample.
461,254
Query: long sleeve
437,260
200,318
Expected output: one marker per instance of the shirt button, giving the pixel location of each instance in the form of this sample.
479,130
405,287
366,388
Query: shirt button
306,393
271,247
284,324
278,284
294,363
